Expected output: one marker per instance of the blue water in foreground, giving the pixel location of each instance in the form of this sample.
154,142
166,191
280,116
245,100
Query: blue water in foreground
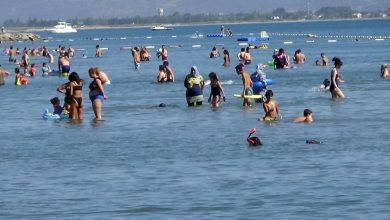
144,162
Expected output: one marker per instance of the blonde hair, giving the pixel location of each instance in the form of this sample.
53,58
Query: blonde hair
103,77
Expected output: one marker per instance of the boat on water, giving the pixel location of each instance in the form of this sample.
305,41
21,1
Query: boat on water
161,28
62,27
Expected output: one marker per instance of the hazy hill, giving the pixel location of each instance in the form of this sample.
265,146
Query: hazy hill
50,9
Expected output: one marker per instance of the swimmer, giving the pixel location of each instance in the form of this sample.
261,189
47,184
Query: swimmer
281,60
161,75
12,55
164,53
216,90
45,69
335,79
324,59
214,53
299,57
136,57
56,106
384,71
325,84
306,118
253,141
98,51
246,82
168,71
226,58
3,75
271,108
247,56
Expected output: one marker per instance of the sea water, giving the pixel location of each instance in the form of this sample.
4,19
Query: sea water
146,162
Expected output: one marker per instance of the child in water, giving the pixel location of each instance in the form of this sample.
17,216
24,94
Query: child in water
307,117
33,70
45,69
56,106
216,90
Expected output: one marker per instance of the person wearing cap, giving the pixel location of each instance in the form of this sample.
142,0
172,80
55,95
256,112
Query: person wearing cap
384,71
246,82
194,83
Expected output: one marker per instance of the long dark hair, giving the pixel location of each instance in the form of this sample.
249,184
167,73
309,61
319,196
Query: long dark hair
74,77
337,61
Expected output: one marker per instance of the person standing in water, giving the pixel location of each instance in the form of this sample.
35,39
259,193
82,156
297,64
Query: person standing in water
216,90
136,57
299,57
164,53
246,82
98,52
335,79
194,83
384,71
226,58
169,72
96,92
271,108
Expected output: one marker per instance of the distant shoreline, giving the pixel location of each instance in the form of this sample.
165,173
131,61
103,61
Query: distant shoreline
102,27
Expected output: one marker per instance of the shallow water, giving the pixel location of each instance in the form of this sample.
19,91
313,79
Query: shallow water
145,162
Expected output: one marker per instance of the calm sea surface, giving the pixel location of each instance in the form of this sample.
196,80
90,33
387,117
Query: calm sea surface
144,162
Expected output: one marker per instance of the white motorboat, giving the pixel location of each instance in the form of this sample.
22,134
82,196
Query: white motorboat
62,27
161,28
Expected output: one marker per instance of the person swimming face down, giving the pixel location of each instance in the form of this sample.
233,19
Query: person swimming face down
253,141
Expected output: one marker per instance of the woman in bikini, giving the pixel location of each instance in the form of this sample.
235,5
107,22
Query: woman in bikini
76,94
96,92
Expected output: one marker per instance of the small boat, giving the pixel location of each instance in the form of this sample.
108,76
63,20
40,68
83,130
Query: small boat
62,28
161,28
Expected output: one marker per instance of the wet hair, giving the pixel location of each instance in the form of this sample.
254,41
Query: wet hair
214,48
33,65
281,50
326,82
247,49
161,67
322,54
17,70
97,46
269,94
74,77
226,52
213,76
243,49
55,100
240,67
11,47
337,61
307,112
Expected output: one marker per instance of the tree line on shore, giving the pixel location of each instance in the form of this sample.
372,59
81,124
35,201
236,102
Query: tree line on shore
279,14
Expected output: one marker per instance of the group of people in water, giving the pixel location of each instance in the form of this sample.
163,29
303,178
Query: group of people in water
193,82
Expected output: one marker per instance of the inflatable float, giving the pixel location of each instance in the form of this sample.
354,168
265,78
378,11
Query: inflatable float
216,35
47,115
258,86
253,39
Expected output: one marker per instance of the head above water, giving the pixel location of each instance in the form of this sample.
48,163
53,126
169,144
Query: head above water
74,77
307,112
337,61
213,76
240,68
281,51
269,94
55,101
194,71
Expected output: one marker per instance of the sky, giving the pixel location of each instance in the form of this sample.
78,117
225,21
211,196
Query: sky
65,9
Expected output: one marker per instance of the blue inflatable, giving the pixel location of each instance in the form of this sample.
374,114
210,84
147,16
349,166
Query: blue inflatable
47,115
258,86
216,35
254,39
